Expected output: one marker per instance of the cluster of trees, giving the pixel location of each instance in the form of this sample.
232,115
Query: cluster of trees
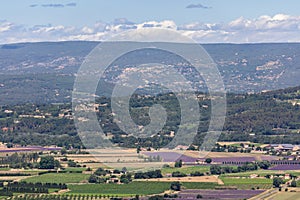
165,196
23,187
20,160
26,189
181,174
217,169
72,163
14,174
48,162
196,173
126,178
149,174
100,176
231,148
264,164
171,196
29,160
61,186
178,174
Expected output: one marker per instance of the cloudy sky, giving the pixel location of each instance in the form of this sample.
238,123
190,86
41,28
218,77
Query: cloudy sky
206,21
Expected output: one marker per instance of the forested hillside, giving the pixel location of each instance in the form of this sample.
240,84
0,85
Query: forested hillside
270,117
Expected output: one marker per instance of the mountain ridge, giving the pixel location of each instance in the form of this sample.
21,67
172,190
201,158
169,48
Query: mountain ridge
47,70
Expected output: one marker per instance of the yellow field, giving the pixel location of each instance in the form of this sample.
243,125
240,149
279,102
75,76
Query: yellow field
13,178
202,179
232,143
286,196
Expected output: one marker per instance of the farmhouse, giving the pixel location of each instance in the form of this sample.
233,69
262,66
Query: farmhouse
181,147
283,147
7,129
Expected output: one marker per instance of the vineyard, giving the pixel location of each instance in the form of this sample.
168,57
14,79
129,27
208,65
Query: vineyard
248,183
58,178
63,197
141,188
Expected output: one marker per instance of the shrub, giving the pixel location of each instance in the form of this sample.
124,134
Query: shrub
93,179
178,163
293,183
277,182
175,186
178,174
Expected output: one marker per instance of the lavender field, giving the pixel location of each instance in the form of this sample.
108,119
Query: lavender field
285,167
173,156
218,194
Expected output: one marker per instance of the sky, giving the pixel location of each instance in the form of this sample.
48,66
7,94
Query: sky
206,21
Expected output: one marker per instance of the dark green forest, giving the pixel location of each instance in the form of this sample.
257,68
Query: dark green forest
269,117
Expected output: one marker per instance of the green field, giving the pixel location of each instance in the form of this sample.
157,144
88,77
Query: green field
229,181
248,183
186,170
4,169
58,178
75,169
136,187
141,188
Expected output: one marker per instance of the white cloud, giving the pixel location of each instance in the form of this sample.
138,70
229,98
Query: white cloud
277,28
5,26
87,30
163,24
49,28
90,37
278,22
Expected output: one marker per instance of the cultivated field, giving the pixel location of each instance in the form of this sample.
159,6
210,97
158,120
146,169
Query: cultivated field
115,158
285,196
58,178
204,179
185,169
141,188
218,154
136,187
219,194
248,183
